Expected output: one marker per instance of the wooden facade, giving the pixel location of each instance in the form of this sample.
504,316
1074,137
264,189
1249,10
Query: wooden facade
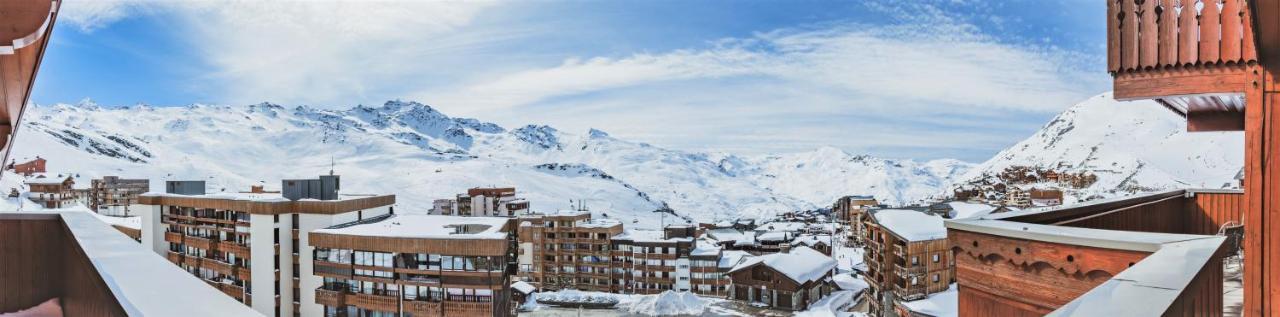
764,284
28,168
903,270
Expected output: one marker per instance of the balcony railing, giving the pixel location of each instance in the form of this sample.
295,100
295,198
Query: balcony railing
1156,254
95,271
1159,34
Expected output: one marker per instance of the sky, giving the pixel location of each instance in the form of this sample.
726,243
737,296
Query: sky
920,79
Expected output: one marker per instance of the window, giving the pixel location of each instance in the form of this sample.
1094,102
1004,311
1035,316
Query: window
935,278
937,257
915,260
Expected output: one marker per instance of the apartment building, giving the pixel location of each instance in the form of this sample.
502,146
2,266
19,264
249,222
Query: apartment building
567,250
651,261
112,195
907,256
849,209
254,247
416,265
495,201
51,192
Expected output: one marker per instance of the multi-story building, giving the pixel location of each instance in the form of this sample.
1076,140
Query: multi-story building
849,209
416,265
1017,197
791,279
498,201
651,261
254,247
112,195
51,192
567,250
907,257
28,168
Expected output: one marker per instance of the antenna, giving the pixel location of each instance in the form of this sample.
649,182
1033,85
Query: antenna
331,165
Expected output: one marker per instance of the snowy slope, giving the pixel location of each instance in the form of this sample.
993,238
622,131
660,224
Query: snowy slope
1130,147
420,154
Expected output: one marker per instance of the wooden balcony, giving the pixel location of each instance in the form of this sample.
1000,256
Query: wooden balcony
1159,48
95,271
375,302
1156,254
330,298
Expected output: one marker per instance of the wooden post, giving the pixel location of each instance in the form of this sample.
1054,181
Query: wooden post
1261,213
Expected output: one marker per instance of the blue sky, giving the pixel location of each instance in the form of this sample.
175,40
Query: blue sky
907,79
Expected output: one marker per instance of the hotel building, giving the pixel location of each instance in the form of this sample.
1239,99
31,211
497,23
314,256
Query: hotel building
254,247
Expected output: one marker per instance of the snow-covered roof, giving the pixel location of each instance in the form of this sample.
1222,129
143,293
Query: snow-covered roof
647,236
704,248
944,304
726,234
964,210
773,236
598,223
731,258
45,181
782,226
802,264
911,225
521,286
811,240
426,227
255,197
849,283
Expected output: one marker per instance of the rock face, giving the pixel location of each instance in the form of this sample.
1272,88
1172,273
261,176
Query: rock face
1105,148
413,150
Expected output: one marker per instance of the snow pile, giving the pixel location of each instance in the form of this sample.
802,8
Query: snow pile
833,305
801,265
944,304
667,303
964,210
911,225
579,297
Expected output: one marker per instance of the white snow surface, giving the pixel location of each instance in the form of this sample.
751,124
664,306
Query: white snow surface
802,264
833,305
426,226
964,210
944,304
911,225
850,283
420,154
1131,146
666,303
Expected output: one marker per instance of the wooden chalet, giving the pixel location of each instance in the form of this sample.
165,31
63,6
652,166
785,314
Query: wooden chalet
51,192
791,281
1213,63
29,168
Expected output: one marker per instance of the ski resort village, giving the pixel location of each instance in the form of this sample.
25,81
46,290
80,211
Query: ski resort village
1150,195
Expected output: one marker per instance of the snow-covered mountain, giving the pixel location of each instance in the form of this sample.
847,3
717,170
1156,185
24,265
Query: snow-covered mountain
420,154
1127,146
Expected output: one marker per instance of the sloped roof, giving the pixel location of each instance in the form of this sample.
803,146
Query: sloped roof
801,265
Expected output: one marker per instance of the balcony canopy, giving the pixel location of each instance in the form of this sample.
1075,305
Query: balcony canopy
24,28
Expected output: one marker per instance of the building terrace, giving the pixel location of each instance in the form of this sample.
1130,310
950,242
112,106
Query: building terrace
1161,250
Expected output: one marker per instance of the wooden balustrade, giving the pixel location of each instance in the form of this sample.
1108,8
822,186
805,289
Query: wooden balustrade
1157,34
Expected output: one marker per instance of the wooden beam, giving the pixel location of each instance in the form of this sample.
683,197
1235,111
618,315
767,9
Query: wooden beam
1181,81
1207,121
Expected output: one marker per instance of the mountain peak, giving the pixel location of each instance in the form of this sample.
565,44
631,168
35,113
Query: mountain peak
596,134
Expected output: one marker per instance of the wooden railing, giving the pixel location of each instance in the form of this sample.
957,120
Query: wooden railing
1139,237
1157,34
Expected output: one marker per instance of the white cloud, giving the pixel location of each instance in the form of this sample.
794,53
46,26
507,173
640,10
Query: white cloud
91,15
